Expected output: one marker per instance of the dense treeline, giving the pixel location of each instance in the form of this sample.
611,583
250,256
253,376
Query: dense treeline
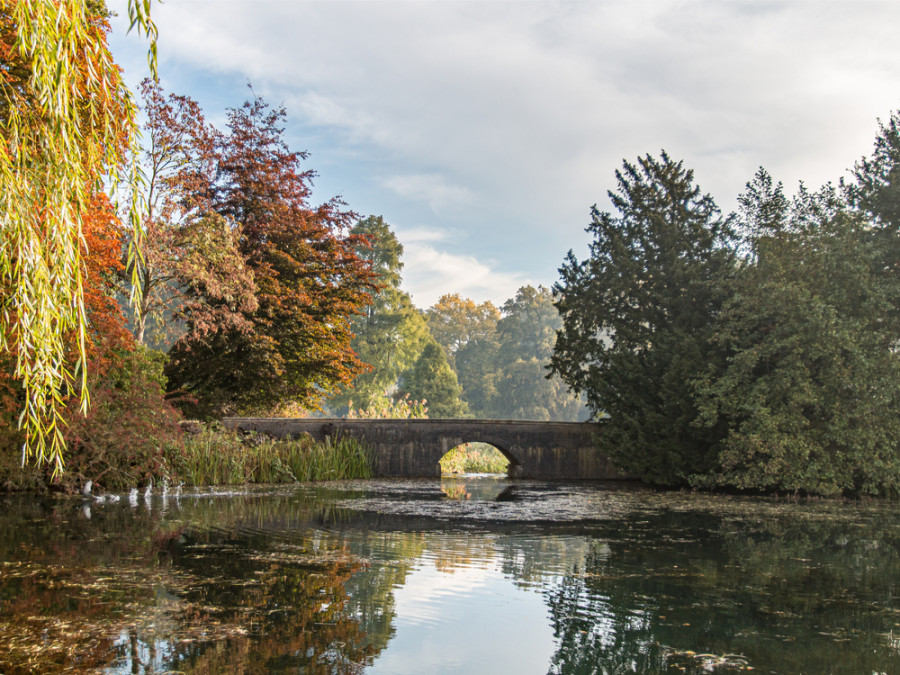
756,350
462,358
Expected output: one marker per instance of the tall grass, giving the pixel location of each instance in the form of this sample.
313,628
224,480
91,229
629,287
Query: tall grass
221,457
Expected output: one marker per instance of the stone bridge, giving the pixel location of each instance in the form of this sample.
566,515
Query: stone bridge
413,447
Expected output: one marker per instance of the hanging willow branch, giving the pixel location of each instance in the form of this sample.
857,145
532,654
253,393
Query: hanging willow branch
67,123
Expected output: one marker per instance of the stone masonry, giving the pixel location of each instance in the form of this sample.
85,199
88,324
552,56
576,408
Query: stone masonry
413,447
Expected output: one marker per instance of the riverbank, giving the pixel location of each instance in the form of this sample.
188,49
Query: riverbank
216,456
205,455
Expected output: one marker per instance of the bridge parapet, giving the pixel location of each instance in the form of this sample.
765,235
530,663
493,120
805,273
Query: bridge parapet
413,447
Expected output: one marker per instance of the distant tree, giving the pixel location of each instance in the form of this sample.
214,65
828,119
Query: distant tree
432,381
639,314
467,332
525,338
390,407
295,345
457,322
390,334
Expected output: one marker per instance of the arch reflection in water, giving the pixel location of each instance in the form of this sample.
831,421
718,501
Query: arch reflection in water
480,487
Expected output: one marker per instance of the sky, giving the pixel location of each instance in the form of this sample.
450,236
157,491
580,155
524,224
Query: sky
483,132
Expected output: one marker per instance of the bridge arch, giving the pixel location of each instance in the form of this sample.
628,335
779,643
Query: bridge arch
478,457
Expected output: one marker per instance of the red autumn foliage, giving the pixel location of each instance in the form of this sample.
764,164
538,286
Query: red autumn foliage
103,262
307,281
122,437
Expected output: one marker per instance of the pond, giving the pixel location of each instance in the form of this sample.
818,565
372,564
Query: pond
468,574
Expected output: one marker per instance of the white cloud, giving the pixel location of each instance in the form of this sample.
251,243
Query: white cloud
432,189
420,234
506,120
429,273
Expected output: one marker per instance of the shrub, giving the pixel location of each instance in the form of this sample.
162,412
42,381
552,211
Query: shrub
129,427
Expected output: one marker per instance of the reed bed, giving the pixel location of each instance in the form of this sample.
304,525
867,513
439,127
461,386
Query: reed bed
221,457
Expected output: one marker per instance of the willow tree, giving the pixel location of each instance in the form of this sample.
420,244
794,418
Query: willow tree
67,124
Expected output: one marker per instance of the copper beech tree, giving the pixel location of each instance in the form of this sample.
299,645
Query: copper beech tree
264,283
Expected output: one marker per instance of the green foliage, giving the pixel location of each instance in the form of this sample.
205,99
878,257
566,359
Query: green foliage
391,333
458,323
638,316
812,383
389,407
501,359
525,337
474,458
877,187
771,364
219,457
432,381
467,332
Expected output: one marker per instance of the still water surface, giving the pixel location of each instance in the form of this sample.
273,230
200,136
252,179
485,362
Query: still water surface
463,575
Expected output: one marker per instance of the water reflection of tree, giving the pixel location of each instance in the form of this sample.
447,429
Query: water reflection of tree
600,629
270,606
392,557
261,591
786,589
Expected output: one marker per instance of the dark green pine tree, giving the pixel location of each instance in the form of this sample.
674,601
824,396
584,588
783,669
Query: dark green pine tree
638,316
877,187
876,193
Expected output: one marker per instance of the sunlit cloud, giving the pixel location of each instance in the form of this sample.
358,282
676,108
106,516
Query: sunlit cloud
429,273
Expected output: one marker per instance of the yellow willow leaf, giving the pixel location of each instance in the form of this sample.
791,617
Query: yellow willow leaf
71,125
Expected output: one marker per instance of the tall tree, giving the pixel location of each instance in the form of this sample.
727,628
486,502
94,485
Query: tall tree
809,391
66,122
295,344
876,193
432,381
467,332
526,336
457,322
390,335
877,187
638,315
180,160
